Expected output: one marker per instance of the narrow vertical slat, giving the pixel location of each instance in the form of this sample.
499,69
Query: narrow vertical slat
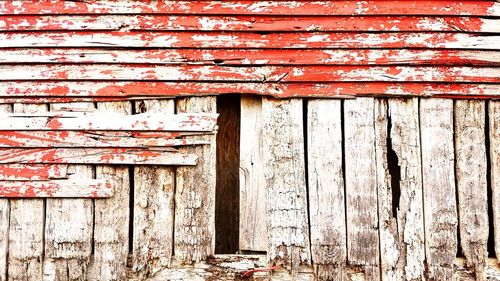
361,186
194,229
111,225
68,226
153,207
25,260
400,203
494,123
253,232
288,229
4,221
438,178
470,151
326,188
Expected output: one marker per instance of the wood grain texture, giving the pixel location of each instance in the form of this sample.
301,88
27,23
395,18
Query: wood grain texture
154,191
111,222
194,230
284,171
438,178
26,229
4,220
400,196
361,186
253,226
471,169
326,188
494,137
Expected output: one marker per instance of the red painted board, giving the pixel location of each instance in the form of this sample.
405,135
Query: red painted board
32,172
56,189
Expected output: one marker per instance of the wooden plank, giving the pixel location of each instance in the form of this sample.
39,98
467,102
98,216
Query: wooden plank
4,221
112,216
123,156
494,138
326,188
253,227
154,191
188,39
361,186
471,169
39,92
252,73
400,200
284,171
67,253
438,177
56,188
17,172
247,23
410,7
68,139
26,229
252,56
194,229
108,121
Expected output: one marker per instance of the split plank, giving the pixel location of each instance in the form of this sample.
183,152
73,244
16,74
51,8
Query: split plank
188,39
97,139
247,23
253,228
494,137
123,156
18,172
154,192
438,178
284,171
252,56
56,188
326,189
40,92
361,186
108,121
194,229
4,219
386,7
471,169
252,73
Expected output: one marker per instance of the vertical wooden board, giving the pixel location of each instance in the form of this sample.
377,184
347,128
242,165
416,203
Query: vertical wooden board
253,229
326,188
194,229
111,219
68,226
438,179
361,186
284,170
4,221
153,208
470,151
26,227
494,128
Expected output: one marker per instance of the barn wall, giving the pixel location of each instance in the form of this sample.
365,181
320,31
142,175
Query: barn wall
395,176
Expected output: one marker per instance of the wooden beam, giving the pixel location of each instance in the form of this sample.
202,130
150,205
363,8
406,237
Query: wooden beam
56,188
17,172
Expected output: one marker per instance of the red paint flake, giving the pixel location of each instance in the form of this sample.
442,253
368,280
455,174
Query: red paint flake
54,123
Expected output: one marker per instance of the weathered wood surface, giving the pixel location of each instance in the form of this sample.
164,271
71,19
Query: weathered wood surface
386,7
108,121
284,171
247,23
188,39
400,203
361,186
253,199
194,229
41,92
153,221
326,189
4,220
56,188
253,56
494,138
252,73
438,178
